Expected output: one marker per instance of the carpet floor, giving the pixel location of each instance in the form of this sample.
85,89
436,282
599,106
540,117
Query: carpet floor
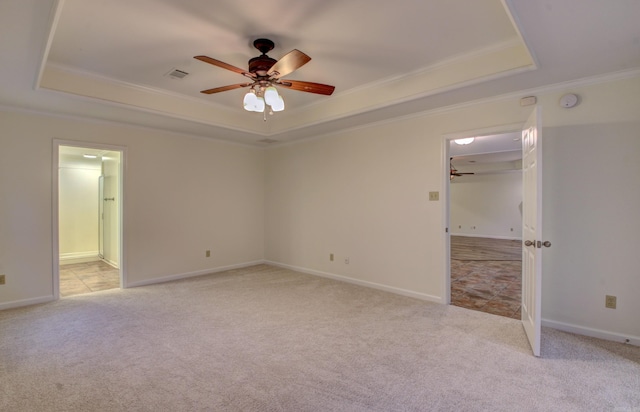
269,339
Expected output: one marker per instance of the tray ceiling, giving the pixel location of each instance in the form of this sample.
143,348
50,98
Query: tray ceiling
109,60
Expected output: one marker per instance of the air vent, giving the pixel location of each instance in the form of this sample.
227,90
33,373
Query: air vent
177,74
267,141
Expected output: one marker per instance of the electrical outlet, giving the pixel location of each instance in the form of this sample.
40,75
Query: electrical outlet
346,261
207,253
331,257
610,302
2,280
433,196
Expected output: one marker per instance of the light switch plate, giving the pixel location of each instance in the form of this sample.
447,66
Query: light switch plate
610,302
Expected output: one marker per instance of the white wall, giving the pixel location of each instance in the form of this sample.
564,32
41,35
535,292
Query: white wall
487,205
182,196
364,194
361,194
591,183
78,207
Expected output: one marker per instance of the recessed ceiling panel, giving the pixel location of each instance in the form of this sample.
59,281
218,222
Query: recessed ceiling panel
375,53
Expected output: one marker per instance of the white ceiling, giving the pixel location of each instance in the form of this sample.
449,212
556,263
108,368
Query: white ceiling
494,148
109,59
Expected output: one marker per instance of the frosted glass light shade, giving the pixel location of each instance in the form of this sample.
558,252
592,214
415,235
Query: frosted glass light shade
250,101
271,95
259,107
278,105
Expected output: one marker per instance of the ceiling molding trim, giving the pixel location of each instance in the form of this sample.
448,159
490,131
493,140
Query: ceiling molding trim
592,80
416,114
502,63
517,26
508,128
518,94
462,58
585,81
143,88
54,18
138,98
116,123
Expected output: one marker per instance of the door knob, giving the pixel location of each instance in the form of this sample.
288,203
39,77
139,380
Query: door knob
528,243
546,243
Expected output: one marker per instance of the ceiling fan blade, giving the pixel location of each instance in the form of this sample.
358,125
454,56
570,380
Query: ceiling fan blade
309,87
224,65
290,62
225,88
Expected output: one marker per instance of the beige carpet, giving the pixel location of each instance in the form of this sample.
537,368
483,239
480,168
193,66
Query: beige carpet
267,339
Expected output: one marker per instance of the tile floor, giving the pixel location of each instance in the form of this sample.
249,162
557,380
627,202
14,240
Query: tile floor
493,286
81,278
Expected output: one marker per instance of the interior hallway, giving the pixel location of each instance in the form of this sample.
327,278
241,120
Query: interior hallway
81,278
486,275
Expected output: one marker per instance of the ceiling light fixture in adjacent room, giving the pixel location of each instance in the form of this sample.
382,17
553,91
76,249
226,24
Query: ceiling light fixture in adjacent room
466,140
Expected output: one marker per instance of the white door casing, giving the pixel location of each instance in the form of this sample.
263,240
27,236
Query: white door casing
118,224
532,230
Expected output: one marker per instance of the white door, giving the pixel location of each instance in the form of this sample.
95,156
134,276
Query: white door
101,200
111,223
531,230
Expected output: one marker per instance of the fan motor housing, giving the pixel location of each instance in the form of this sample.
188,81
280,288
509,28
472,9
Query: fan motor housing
260,65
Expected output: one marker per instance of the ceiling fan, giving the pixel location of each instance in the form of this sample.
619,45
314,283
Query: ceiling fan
453,172
265,73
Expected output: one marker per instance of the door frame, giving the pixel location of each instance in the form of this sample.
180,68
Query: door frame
446,182
55,241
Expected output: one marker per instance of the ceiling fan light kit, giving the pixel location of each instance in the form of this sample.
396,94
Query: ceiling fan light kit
266,73
253,103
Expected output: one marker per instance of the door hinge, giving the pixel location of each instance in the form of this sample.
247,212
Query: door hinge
446,230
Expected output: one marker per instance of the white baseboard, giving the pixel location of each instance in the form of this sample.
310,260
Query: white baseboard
26,302
80,257
566,327
192,274
397,291
486,236
111,263
594,333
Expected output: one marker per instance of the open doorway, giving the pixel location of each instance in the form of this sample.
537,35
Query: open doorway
89,213
485,221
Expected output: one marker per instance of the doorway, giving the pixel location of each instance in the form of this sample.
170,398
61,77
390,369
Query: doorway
484,209
88,206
